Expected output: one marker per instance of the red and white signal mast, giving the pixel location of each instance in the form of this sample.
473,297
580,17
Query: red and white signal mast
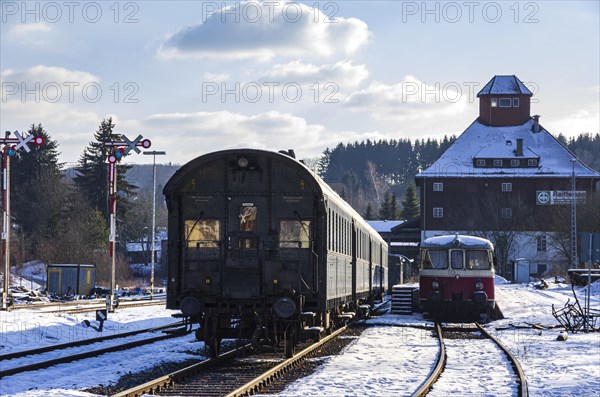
9,147
120,148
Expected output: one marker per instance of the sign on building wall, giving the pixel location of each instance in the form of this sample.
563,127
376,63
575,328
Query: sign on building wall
558,197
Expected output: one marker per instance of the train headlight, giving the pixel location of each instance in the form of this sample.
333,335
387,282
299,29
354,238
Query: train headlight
243,162
435,285
479,285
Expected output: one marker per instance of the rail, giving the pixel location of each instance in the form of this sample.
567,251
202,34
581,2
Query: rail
439,367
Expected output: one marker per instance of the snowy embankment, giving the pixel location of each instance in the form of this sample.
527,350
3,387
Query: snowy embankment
387,360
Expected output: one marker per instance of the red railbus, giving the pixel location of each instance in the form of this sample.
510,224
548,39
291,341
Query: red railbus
456,277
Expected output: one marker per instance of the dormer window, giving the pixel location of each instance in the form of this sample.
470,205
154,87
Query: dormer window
514,162
480,162
532,162
505,102
515,102
497,162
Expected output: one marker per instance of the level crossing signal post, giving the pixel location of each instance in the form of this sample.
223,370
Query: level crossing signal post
118,149
9,147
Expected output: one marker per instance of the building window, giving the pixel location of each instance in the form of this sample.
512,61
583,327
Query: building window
532,162
515,102
541,243
438,212
506,213
497,163
505,102
494,102
480,162
542,268
507,187
515,162
438,187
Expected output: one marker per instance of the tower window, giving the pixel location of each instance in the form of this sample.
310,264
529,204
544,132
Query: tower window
494,102
505,102
515,102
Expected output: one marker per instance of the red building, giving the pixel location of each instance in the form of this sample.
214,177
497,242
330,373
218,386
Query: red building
508,179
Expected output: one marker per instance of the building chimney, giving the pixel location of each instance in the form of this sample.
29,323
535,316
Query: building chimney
536,124
519,150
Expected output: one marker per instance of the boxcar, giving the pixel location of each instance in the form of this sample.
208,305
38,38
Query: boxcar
260,248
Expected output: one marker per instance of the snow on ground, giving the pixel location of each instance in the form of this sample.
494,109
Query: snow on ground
389,359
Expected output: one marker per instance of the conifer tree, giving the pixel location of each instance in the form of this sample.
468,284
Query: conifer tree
410,203
384,210
92,172
368,215
37,189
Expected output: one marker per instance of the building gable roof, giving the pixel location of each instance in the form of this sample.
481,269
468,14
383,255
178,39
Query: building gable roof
508,85
554,158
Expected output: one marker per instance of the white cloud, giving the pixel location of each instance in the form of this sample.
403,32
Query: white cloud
262,31
216,77
343,73
583,120
411,99
31,34
43,83
187,135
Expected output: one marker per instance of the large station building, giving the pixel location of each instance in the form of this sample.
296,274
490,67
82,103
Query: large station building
507,178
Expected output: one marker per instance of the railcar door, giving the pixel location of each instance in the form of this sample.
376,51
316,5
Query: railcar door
245,236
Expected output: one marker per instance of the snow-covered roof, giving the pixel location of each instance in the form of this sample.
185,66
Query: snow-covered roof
505,85
479,139
384,226
456,241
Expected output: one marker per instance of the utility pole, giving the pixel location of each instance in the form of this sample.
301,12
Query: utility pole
153,153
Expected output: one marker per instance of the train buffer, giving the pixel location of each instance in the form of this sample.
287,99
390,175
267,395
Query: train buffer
404,299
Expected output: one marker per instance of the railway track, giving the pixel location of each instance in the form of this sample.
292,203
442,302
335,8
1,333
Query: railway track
235,373
61,359
434,384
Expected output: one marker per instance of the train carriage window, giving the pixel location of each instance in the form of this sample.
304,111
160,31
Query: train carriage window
202,233
436,259
247,219
478,260
294,234
456,259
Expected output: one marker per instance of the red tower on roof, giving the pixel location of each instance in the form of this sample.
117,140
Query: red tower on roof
504,101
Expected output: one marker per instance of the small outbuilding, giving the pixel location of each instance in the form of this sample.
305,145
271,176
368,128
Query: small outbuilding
71,279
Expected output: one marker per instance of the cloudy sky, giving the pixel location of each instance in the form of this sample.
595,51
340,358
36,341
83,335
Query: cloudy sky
194,76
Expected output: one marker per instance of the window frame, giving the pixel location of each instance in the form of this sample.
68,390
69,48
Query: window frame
480,162
438,212
532,162
498,163
438,186
541,243
515,162
507,102
516,102
506,186
494,102
506,213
